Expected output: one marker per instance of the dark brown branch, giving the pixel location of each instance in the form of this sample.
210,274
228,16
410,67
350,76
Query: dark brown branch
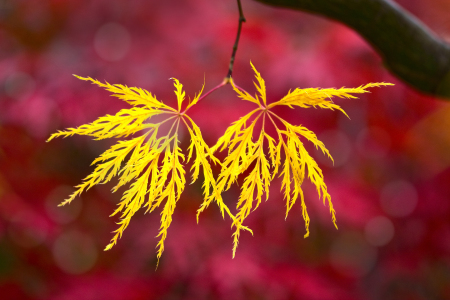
233,55
408,48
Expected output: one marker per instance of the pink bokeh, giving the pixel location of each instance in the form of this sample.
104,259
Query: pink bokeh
389,184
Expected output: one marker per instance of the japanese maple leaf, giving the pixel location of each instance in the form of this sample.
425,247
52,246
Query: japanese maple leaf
265,162
155,164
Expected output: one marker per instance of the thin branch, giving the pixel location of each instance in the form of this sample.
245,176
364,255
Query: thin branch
224,82
239,88
233,55
227,79
408,48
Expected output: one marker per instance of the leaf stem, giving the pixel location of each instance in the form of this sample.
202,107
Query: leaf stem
171,128
233,55
206,94
239,88
275,125
264,122
279,118
227,79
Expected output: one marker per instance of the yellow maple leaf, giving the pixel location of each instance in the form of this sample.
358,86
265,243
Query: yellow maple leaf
243,153
155,163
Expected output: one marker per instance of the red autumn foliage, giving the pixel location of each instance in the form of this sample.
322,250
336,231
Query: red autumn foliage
389,183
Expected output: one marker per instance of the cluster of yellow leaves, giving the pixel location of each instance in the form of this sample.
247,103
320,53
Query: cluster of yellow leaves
265,163
153,164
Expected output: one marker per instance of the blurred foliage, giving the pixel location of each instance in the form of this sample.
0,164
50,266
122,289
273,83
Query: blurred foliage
391,201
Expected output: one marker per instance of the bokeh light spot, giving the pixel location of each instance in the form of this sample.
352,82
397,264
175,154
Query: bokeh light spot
66,213
373,142
399,198
352,256
112,42
19,85
379,231
339,146
27,229
75,252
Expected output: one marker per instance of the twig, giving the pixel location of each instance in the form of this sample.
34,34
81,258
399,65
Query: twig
233,55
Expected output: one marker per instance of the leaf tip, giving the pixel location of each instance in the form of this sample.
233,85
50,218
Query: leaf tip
80,77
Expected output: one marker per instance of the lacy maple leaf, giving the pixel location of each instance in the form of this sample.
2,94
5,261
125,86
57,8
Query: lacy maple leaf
244,153
155,163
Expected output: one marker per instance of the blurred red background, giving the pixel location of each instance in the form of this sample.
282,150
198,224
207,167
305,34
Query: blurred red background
389,184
